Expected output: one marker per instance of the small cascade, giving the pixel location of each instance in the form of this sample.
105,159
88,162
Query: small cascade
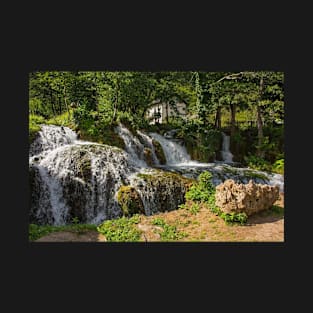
133,145
174,152
73,178
76,179
51,137
148,142
226,154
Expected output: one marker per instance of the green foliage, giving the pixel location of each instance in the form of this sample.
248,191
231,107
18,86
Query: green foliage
194,208
232,218
37,231
93,102
34,126
202,190
261,164
169,232
278,166
197,194
65,119
75,220
122,229
257,163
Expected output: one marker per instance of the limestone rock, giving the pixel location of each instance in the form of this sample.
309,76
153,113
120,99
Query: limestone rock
245,198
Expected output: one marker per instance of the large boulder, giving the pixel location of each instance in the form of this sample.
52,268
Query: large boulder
129,200
161,191
245,198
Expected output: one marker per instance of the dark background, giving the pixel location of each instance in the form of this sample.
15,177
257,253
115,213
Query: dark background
253,36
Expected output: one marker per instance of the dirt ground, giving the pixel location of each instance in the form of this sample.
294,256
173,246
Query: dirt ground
202,226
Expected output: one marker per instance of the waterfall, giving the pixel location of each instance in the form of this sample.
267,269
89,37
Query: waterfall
51,137
133,146
72,178
148,143
174,153
226,154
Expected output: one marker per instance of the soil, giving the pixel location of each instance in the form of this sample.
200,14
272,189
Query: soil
202,226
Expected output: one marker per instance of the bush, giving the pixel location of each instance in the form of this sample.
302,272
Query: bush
278,166
202,190
121,229
257,163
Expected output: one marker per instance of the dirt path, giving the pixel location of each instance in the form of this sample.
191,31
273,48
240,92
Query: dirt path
202,226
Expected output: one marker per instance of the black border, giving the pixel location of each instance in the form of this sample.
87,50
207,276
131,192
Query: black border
234,42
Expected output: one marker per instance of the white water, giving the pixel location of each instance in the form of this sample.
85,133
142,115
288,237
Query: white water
226,154
62,187
51,137
148,141
174,152
133,146
64,190
179,161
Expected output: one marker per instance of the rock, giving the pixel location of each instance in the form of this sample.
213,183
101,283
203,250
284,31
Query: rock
130,201
245,198
161,191
148,156
159,152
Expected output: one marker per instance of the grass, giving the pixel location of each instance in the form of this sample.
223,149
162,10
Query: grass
169,232
38,231
275,210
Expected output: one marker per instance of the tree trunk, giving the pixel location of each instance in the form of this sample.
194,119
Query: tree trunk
260,152
218,123
166,105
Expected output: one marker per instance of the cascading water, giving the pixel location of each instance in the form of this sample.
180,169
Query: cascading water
174,153
51,137
179,161
226,154
133,145
148,142
73,178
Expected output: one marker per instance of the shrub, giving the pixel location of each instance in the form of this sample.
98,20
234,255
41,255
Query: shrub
278,166
202,190
121,229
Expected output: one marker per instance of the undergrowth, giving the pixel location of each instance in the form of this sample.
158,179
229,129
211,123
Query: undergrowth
204,191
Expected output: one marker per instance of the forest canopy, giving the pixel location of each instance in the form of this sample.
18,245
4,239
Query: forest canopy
249,105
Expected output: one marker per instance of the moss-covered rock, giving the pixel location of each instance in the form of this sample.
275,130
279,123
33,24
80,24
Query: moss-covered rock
130,201
148,156
161,190
159,152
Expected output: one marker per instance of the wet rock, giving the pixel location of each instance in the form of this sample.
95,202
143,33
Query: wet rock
130,201
161,191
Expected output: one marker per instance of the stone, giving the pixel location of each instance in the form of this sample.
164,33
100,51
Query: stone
130,201
249,198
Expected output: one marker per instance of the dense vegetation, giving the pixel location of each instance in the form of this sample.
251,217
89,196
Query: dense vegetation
247,105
